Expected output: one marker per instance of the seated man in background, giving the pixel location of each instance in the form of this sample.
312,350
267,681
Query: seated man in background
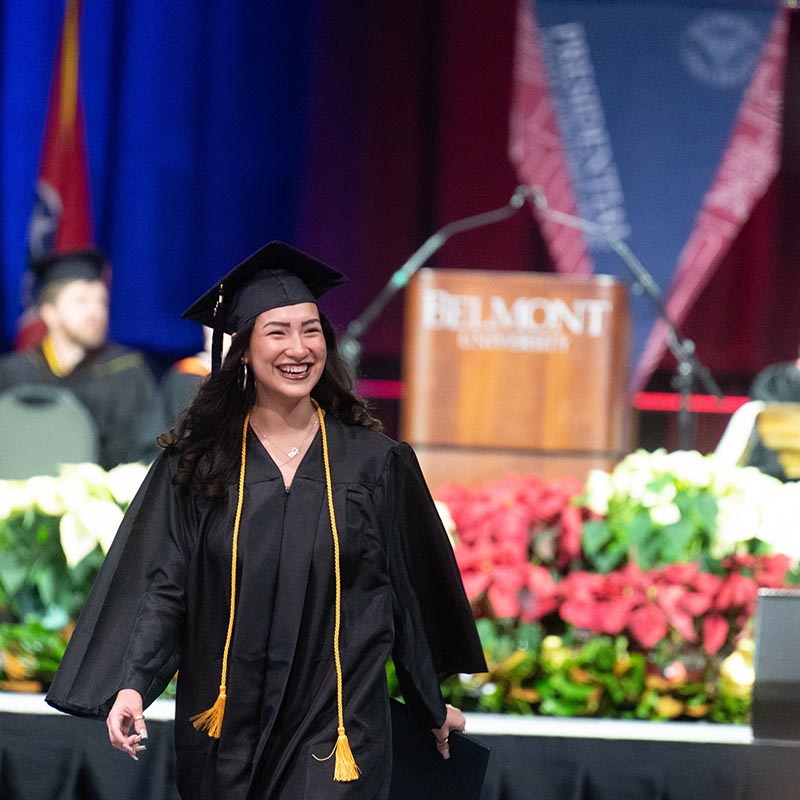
183,379
114,383
776,383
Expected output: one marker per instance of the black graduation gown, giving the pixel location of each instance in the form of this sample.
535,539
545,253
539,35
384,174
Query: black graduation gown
161,603
116,386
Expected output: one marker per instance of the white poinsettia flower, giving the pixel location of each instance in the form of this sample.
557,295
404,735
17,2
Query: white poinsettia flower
724,478
92,473
43,493
642,460
752,481
739,519
598,491
5,499
103,518
665,514
14,498
124,481
81,529
780,521
690,468
73,491
632,475
92,476
660,461
76,540
661,496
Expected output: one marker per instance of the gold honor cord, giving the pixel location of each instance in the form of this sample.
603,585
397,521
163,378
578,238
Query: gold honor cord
345,768
211,720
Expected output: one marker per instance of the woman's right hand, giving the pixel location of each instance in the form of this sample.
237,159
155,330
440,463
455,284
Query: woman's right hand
127,710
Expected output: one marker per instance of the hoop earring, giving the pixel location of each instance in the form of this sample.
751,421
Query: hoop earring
244,377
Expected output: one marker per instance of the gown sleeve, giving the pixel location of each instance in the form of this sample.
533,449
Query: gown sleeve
128,635
435,634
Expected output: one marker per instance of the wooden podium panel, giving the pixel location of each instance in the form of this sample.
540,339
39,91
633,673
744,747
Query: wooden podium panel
515,368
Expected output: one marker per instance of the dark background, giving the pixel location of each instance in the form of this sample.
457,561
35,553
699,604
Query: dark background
351,130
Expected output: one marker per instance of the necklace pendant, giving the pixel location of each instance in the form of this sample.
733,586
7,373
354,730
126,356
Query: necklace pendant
293,452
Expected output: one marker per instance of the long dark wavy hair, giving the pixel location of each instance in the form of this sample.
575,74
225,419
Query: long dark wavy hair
209,436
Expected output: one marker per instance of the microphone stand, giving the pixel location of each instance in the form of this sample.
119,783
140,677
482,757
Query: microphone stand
689,366
350,342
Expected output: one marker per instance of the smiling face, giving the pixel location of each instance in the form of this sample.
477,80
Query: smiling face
287,352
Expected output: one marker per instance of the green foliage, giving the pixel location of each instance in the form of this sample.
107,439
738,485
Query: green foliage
30,651
632,531
34,576
600,676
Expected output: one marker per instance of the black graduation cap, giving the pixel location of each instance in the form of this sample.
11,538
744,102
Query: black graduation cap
275,275
87,264
419,771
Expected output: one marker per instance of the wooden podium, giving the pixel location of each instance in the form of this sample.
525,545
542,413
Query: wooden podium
515,372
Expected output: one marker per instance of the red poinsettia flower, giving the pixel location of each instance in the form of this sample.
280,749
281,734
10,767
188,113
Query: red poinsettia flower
497,526
571,521
497,568
736,591
646,604
770,571
598,603
736,594
540,595
715,632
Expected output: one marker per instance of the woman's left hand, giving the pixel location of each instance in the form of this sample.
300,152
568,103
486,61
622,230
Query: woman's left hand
454,721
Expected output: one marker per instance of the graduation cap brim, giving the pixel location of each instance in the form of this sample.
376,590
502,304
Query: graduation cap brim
86,264
275,275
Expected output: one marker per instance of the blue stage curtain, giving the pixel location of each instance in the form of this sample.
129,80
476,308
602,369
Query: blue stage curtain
195,125
354,130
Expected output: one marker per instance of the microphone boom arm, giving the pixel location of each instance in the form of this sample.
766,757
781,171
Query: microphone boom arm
350,344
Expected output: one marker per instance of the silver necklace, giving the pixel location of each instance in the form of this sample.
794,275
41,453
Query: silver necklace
295,451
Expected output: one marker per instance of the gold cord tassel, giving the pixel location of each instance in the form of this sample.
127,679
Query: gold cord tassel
211,719
345,767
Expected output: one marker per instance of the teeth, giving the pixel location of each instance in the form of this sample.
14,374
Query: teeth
298,370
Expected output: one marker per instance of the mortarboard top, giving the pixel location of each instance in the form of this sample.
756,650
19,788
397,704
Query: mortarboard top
274,276
75,265
419,771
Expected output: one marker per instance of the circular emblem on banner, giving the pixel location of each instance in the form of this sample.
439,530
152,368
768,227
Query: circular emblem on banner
721,49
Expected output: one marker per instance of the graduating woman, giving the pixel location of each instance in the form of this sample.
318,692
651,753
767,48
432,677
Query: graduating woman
279,552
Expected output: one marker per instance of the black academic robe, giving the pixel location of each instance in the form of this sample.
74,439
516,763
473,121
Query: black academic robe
161,604
116,386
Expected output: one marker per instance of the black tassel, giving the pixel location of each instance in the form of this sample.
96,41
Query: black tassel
219,332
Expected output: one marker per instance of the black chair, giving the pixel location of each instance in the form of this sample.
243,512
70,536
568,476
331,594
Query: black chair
42,427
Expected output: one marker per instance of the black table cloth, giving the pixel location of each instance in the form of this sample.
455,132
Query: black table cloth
57,757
